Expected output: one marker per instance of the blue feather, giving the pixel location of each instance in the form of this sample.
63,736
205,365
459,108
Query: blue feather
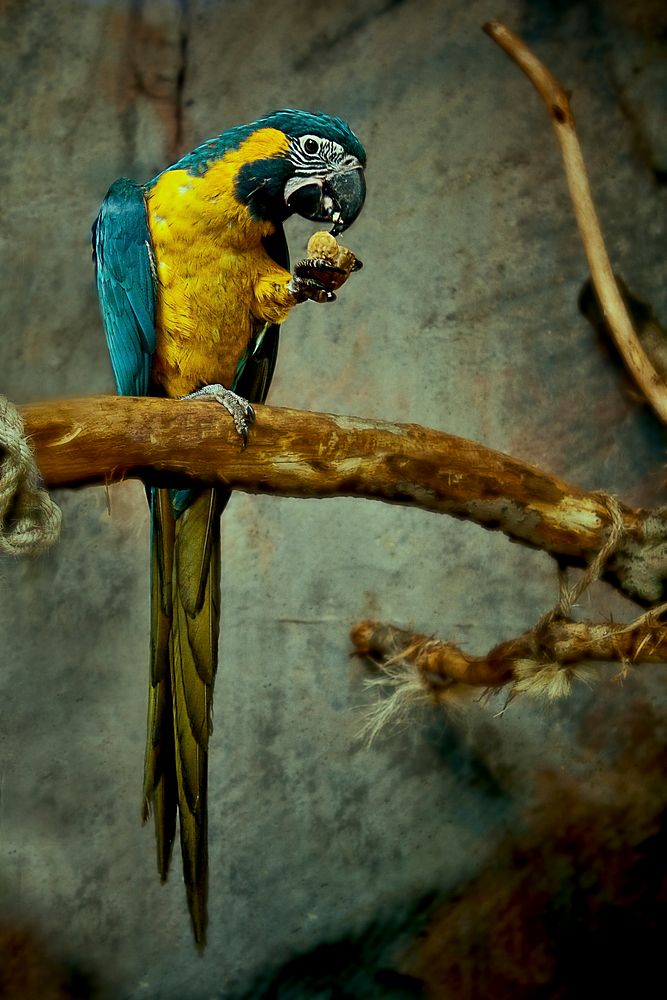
289,121
127,285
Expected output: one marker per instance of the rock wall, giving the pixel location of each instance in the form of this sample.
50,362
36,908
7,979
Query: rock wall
329,859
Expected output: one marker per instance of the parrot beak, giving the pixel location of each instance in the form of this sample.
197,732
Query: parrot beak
337,197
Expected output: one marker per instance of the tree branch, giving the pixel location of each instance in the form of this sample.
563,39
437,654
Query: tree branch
542,661
556,98
106,439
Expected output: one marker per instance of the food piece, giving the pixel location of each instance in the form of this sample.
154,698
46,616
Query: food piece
324,246
327,262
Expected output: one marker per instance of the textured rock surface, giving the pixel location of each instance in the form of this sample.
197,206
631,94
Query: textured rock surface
464,318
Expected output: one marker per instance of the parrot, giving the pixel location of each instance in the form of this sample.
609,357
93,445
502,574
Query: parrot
193,279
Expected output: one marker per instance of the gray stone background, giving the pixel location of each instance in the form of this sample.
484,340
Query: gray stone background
328,859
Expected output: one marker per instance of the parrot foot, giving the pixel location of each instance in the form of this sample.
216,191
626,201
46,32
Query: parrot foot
239,409
327,266
303,286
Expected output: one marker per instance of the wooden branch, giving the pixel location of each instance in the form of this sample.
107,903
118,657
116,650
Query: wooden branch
556,98
106,439
541,661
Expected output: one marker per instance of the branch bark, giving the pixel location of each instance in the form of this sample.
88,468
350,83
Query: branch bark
556,98
106,439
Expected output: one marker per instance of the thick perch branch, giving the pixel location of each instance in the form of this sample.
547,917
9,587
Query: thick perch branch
555,96
292,453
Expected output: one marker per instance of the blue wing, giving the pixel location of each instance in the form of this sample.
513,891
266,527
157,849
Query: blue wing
126,285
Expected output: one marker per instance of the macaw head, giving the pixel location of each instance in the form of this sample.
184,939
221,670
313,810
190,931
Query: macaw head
316,171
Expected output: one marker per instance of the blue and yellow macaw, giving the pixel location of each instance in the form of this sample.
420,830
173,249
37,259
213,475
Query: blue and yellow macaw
193,280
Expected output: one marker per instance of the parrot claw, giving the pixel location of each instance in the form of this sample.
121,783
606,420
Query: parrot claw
303,288
239,409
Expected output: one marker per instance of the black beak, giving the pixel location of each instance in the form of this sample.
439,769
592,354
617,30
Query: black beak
337,198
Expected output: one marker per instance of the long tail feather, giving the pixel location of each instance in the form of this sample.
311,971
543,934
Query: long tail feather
160,783
185,621
194,660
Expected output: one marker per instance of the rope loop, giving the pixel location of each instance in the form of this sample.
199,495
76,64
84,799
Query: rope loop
29,519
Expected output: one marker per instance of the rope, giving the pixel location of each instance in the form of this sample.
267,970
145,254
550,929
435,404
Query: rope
29,519
542,674
569,596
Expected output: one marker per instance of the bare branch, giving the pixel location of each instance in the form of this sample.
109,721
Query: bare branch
106,439
556,98
545,659
542,661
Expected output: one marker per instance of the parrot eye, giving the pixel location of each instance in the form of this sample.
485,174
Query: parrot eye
311,145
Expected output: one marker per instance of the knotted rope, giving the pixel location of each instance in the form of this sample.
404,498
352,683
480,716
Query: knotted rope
29,519
541,674
568,596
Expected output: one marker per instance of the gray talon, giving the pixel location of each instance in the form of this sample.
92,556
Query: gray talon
239,409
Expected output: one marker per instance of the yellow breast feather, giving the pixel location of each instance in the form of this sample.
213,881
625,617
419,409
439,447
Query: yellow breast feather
216,282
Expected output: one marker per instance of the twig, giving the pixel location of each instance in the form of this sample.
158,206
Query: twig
557,101
293,453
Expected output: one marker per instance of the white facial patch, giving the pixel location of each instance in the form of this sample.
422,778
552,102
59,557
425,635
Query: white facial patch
314,156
